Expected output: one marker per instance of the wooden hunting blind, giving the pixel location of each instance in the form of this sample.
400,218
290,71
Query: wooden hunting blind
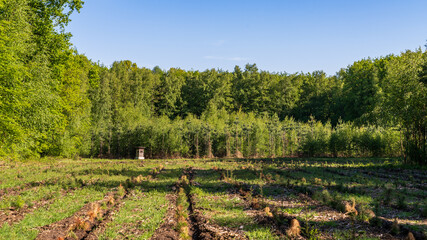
139,153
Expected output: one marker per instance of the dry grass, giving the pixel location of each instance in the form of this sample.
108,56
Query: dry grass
294,229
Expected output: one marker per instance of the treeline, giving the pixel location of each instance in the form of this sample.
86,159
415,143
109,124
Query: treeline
54,101
387,94
246,135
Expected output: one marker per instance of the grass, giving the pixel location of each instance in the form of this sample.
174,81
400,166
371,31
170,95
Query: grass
30,196
62,207
140,216
261,233
279,184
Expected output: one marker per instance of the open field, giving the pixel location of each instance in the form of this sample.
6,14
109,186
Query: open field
213,199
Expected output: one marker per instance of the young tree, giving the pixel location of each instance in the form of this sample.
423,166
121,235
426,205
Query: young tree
406,101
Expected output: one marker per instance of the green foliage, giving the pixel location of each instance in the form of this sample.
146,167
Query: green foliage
323,196
55,102
360,89
406,99
18,203
35,55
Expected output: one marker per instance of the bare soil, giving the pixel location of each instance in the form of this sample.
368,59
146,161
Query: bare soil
80,225
167,231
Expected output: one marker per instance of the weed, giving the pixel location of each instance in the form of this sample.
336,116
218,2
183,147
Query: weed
401,202
18,203
318,181
120,192
303,180
395,229
323,196
139,179
184,180
387,195
228,177
310,232
30,204
365,214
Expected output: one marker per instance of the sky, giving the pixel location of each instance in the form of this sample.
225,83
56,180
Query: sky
278,35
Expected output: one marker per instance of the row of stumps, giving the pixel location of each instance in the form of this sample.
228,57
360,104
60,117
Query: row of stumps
191,222
187,226
88,221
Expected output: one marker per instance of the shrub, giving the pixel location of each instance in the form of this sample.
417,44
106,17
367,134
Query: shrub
323,196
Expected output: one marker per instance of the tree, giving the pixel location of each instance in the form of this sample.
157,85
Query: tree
406,101
314,96
34,52
15,46
168,93
360,89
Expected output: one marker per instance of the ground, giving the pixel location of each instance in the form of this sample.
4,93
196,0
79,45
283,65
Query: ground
290,198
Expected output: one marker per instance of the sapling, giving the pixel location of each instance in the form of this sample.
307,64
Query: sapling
401,202
395,229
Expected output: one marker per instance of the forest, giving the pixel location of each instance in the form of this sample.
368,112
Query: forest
57,102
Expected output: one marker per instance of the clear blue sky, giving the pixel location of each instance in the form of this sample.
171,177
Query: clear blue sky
277,35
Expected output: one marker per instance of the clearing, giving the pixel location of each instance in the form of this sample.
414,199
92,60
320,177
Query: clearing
289,198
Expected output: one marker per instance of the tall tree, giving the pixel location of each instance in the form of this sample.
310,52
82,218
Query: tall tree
406,101
360,89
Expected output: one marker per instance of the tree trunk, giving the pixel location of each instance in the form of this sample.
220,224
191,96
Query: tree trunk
238,154
249,146
197,146
227,145
101,146
284,144
210,155
109,143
